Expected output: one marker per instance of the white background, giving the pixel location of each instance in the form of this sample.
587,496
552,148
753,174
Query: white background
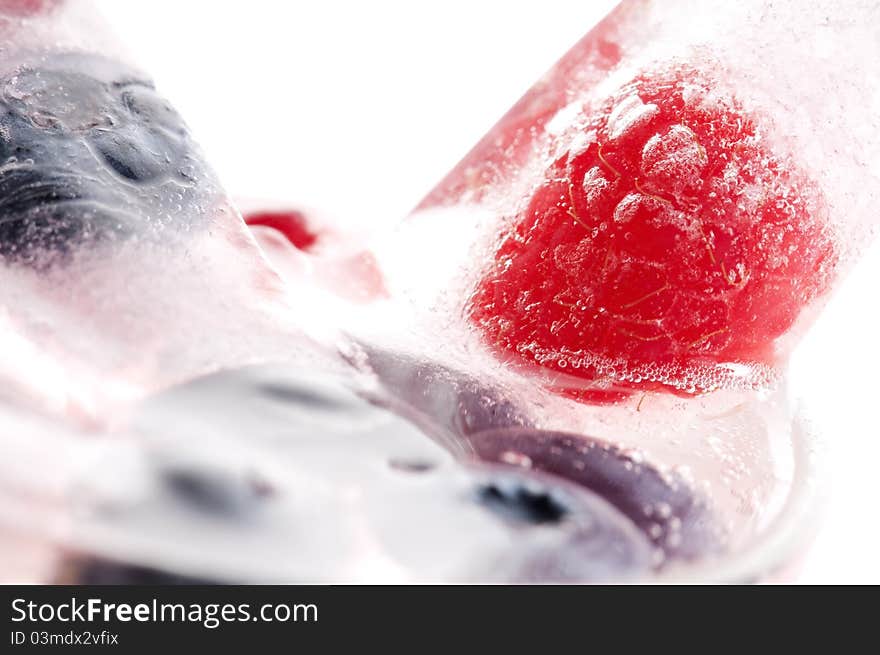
358,108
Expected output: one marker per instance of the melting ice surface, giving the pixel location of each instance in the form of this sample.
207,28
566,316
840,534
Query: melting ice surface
172,410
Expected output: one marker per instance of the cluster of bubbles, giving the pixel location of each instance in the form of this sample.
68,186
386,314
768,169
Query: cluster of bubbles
691,379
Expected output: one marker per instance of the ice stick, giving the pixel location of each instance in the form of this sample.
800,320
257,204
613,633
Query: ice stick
671,204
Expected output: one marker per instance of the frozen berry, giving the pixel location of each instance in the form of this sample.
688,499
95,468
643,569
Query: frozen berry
305,246
291,223
87,143
323,469
665,239
663,505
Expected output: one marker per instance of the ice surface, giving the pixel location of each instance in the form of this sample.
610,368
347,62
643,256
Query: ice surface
387,443
274,474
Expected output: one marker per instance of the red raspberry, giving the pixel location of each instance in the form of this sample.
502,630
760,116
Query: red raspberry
291,223
665,240
326,256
